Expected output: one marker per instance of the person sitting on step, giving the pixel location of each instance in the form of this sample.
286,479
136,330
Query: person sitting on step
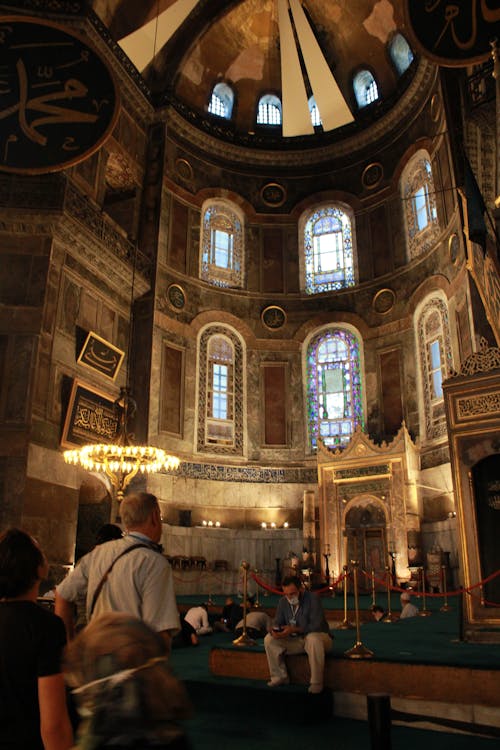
299,627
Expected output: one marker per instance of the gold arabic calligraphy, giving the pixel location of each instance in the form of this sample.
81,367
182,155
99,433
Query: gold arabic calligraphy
73,89
104,359
452,12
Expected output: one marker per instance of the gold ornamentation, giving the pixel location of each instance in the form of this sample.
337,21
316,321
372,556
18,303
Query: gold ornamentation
484,360
475,406
372,175
383,301
273,317
176,297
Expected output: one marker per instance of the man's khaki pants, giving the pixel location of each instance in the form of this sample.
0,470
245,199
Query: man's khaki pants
315,645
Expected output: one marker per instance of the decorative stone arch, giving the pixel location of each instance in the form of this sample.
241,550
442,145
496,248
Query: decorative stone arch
378,479
235,445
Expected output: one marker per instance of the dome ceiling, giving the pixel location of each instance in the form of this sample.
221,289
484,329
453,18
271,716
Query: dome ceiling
293,49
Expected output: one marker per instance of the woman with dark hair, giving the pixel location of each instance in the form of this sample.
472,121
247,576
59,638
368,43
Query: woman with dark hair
124,689
33,713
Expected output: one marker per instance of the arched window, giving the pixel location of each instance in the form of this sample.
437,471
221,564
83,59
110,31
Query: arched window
365,88
221,102
220,391
222,247
334,398
436,361
269,110
328,252
315,115
419,200
400,52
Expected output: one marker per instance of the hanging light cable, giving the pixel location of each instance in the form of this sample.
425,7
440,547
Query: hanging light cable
122,460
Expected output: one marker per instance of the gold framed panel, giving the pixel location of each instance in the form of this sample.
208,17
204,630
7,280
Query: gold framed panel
91,417
273,317
100,356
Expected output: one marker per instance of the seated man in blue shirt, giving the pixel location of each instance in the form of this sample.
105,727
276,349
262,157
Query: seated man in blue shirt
299,627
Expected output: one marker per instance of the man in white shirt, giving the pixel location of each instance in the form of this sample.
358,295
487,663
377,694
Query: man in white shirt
127,575
407,608
195,623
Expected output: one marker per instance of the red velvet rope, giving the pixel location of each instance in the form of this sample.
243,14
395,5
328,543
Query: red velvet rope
456,592
260,582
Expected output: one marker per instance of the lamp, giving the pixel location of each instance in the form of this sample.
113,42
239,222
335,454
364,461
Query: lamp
121,461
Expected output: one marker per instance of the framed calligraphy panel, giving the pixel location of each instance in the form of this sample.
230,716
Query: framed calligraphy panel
454,34
91,417
101,356
58,99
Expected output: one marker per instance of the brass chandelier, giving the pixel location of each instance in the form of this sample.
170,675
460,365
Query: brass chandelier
122,460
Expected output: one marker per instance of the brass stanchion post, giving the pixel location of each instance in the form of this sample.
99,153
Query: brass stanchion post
358,651
424,612
445,607
256,602
244,639
346,625
388,578
373,588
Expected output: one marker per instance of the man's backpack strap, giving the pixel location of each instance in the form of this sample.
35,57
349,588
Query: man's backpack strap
106,574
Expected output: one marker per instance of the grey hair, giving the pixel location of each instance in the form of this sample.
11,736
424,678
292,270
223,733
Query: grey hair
137,508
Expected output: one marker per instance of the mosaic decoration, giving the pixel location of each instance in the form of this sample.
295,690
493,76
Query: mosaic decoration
273,194
204,393
176,297
254,474
222,246
419,200
328,252
273,317
372,175
434,329
383,301
334,401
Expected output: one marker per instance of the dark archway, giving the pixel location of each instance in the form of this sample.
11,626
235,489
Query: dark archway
486,484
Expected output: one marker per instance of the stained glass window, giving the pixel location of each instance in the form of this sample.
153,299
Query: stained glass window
220,391
335,406
436,361
220,399
328,254
417,188
221,262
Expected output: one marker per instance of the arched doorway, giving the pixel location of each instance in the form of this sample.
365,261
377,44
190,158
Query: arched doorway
486,484
365,532
94,510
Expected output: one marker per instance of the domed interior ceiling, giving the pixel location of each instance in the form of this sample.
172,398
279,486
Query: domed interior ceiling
291,48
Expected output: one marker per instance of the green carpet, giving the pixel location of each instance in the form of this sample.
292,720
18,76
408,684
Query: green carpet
249,716
424,640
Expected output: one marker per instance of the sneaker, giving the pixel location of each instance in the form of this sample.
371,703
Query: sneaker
315,688
278,682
